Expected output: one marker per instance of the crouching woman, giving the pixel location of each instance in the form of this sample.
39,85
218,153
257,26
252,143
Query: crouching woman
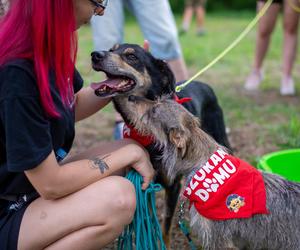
47,199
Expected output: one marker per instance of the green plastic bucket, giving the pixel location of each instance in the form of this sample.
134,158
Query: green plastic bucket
285,163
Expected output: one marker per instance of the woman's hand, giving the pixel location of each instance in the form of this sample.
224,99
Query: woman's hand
143,165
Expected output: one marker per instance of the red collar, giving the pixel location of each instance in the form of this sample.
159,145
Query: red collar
182,100
226,187
130,132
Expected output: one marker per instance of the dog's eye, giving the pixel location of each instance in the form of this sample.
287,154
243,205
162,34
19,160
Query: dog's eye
131,57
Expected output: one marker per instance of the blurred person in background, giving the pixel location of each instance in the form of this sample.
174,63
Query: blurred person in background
265,29
191,6
158,26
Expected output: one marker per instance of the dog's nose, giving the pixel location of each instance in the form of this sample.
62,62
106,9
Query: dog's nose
97,56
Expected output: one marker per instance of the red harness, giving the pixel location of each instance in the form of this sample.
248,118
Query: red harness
226,187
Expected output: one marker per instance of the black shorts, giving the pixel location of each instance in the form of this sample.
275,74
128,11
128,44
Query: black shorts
274,1
11,214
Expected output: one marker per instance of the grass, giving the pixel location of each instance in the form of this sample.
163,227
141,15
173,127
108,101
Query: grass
270,121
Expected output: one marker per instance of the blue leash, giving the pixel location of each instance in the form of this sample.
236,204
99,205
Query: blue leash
144,232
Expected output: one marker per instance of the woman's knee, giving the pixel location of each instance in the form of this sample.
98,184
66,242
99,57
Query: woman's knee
108,204
123,199
119,200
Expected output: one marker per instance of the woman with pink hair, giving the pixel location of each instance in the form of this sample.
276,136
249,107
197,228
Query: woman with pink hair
47,199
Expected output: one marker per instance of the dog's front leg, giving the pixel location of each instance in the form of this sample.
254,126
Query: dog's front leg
171,198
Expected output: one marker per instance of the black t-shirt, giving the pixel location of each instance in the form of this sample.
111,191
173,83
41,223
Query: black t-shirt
27,134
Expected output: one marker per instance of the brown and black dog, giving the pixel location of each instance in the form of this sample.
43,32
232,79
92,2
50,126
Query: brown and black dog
132,71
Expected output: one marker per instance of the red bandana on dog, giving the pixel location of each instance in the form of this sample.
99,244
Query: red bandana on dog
130,132
227,188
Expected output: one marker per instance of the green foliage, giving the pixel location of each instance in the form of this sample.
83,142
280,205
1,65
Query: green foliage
290,133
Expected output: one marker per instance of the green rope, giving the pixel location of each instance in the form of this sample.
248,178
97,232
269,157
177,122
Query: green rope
144,232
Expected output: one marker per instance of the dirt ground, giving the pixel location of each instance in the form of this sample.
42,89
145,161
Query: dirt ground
98,128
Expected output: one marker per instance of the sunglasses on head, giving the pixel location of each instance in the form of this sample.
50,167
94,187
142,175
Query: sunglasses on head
99,3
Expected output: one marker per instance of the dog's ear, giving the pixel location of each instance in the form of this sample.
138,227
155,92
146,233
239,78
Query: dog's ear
115,47
167,77
179,139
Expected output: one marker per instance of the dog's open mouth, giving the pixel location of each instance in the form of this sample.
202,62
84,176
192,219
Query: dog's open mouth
113,86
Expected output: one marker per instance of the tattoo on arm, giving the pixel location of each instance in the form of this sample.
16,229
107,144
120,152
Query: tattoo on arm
99,163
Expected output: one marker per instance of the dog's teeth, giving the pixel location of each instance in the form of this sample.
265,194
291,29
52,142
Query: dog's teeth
123,83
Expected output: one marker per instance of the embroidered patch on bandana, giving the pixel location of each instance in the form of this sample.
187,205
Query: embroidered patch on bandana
226,187
234,202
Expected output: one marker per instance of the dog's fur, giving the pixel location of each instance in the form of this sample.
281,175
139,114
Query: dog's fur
185,146
146,76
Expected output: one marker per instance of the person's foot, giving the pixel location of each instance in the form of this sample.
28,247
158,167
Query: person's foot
200,32
182,31
287,86
253,81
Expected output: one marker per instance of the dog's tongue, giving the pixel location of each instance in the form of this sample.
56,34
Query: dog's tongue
112,83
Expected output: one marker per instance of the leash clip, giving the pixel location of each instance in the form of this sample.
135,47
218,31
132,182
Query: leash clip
183,224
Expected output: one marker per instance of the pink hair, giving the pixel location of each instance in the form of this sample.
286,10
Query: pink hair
42,31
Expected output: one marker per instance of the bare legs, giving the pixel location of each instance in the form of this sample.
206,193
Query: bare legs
87,219
200,17
188,15
290,26
265,29
187,18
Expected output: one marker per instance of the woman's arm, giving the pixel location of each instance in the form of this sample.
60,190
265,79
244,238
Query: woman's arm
87,103
53,181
